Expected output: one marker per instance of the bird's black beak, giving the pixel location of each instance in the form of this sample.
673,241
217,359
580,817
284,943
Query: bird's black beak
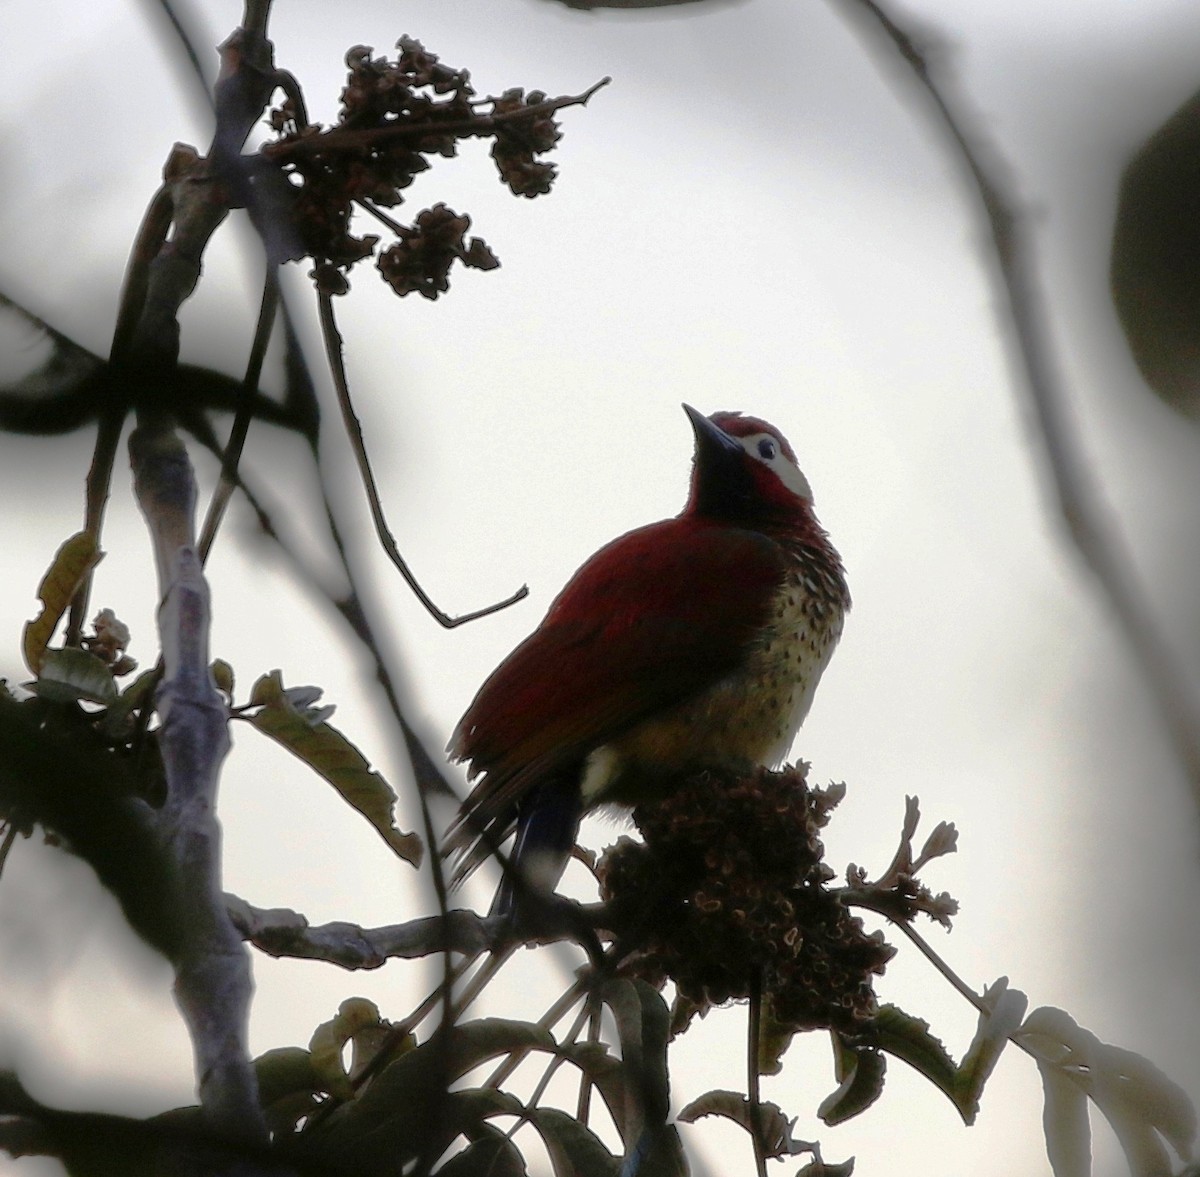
713,444
721,476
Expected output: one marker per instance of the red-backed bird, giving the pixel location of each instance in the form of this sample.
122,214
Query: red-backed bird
693,642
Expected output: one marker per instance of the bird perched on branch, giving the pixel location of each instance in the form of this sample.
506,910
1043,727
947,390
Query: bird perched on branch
694,642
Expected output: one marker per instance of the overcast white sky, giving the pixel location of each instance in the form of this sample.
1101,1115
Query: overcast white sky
753,217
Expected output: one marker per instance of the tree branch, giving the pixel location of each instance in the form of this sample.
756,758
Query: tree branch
1080,503
281,932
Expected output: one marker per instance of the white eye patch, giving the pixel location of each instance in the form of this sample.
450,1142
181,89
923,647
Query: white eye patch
765,448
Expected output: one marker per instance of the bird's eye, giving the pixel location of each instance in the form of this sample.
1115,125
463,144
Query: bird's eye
766,449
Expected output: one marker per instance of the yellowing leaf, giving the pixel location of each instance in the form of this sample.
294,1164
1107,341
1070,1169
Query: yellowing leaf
72,562
323,748
355,1015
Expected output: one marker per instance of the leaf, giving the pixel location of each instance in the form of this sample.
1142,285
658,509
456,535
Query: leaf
775,1128
908,1039
405,1110
324,749
575,1150
1006,1008
284,1070
774,1039
1155,264
1138,1100
1065,1122
643,1030
603,1069
72,674
820,1168
416,1080
72,562
860,1072
223,676
354,1015
490,1154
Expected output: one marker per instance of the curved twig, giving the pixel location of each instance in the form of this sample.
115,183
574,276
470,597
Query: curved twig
337,368
1080,503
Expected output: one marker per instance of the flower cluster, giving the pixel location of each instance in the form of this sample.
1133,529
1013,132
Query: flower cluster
421,258
395,114
730,891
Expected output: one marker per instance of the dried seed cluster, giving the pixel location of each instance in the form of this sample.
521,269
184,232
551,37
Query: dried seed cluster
394,115
730,885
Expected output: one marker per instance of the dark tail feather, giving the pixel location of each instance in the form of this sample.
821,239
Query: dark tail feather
547,825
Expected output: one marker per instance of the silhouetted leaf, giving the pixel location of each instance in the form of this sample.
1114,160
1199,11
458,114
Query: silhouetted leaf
908,1038
604,1070
324,749
643,1029
775,1128
490,1154
1155,268
860,1072
575,1150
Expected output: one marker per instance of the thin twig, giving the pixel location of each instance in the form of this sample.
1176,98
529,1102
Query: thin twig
1079,500
552,1065
547,1021
10,836
151,236
584,1103
337,368
351,139
232,456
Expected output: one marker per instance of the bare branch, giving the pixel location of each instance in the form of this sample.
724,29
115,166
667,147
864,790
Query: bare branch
337,368
212,974
281,932
1086,517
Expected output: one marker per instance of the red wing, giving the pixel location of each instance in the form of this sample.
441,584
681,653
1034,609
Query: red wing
653,618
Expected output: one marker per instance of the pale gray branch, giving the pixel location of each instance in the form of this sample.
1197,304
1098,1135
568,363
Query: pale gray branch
281,932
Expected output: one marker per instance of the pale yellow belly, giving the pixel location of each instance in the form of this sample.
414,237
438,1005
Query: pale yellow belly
749,718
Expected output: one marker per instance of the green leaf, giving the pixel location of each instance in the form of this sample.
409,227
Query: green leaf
775,1128
417,1079
575,1150
1005,1009
908,1039
72,562
384,1135
324,749
223,676
284,1070
287,1087
355,1015
860,1072
73,674
603,1069
490,1154
774,1039
643,1030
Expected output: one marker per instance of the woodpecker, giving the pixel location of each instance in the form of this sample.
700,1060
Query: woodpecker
690,643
